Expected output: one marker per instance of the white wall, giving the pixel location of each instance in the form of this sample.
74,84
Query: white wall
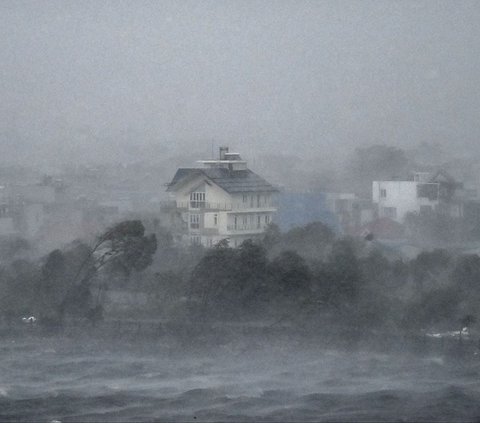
213,193
401,195
209,221
251,198
217,197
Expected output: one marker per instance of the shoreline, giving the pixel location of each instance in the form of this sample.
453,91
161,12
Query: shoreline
189,336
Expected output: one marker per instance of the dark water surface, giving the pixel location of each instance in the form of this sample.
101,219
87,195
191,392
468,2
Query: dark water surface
45,379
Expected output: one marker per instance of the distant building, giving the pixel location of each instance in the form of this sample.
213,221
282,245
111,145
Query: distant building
221,200
342,212
7,222
350,211
423,193
26,208
31,204
301,208
35,193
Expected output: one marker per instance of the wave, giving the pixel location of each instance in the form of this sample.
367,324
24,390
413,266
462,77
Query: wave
60,380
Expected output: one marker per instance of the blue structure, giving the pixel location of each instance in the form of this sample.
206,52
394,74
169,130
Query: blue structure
299,209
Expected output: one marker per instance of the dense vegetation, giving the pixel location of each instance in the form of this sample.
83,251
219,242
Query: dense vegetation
306,277
72,282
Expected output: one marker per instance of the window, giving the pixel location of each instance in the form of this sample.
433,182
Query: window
245,198
195,240
235,222
194,221
429,191
383,193
251,200
267,219
259,222
258,200
215,219
197,200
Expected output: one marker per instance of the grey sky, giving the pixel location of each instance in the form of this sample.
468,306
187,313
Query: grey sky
102,79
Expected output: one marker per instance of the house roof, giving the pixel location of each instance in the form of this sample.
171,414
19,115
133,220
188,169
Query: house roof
232,181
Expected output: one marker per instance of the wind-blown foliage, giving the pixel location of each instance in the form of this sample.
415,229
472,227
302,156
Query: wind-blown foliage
328,280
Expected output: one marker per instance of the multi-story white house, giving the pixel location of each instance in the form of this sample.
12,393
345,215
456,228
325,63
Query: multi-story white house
423,193
222,200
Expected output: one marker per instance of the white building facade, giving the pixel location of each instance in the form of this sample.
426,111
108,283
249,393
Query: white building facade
425,193
222,200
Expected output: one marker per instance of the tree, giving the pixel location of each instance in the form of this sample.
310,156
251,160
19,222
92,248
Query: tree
212,283
165,289
430,267
123,247
376,270
290,274
52,287
272,236
17,284
252,261
440,306
466,274
310,241
343,274
251,271
400,273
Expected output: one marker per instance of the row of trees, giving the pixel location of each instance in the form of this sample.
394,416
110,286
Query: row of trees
307,276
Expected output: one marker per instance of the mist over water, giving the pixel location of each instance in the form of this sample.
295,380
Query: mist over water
45,379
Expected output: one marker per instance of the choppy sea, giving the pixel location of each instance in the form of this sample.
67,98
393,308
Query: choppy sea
65,379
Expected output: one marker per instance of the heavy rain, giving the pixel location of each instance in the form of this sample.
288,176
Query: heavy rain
239,210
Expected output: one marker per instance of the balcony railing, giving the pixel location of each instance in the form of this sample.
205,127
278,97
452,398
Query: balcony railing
246,228
202,205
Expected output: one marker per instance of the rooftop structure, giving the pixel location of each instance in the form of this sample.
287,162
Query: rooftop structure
222,200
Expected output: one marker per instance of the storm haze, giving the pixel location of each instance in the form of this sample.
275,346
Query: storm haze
126,81
239,210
